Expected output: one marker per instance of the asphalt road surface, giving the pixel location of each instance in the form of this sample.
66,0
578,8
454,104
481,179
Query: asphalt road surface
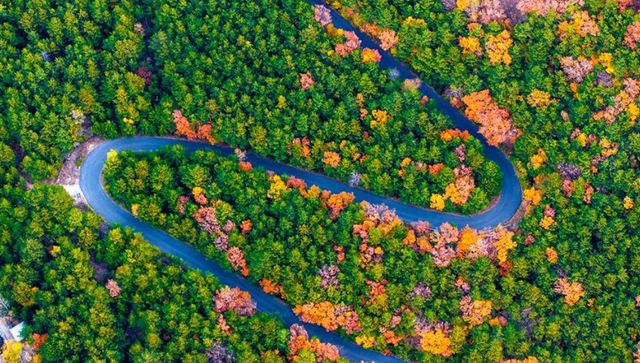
92,187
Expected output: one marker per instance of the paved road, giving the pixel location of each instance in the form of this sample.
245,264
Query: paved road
92,187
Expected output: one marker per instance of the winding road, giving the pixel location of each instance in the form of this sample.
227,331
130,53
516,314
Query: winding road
92,187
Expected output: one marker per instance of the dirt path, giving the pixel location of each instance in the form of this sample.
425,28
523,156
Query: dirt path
69,175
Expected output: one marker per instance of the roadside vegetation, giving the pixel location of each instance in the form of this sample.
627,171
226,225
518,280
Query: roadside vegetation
553,83
245,74
89,293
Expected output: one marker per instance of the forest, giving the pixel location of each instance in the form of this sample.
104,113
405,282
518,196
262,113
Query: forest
555,84
384,281
237,82
91,293
399,285
565,75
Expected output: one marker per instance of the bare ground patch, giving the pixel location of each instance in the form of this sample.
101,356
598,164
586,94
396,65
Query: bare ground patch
69,175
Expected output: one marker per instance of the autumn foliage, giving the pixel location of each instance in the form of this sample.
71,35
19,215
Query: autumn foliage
470,45
543,7
580,24
331,158
625,100
38,340
234,299
449,134
183,128
206,218
495,122
547,75
539,99
572,291
236,258
269,287
632,35
529,359
483,11
306,80
370,55
352,43
114,289
434,338
329,316
299,340
322,15
474,312
199,196
388,39
245,226
336,202
460,190
498,48
576,69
